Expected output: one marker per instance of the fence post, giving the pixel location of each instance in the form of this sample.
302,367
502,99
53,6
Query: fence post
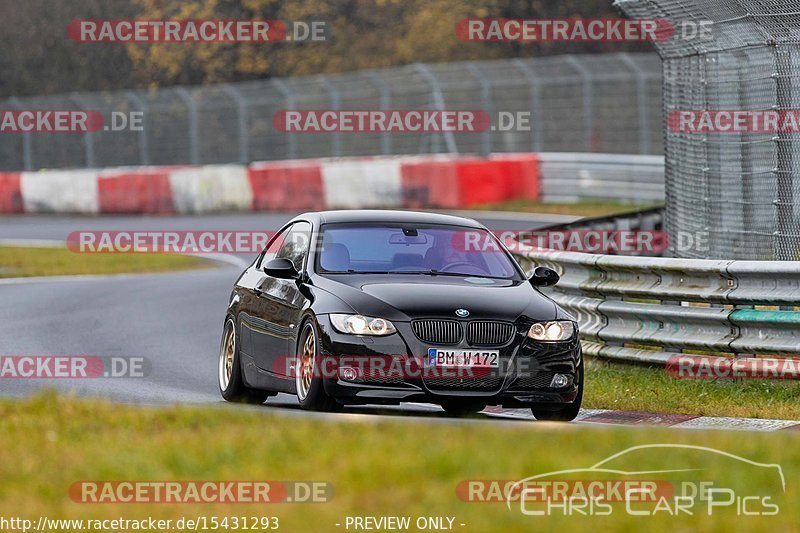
486,100
291,145
535,97
588,100
194,136
27,156
641,99
144,157
241,107
88,136
784,169
386,101
336,104
438,102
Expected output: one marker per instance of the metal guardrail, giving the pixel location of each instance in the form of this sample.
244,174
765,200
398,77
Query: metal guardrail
646,309
570,177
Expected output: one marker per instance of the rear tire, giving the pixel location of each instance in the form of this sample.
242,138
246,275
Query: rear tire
565,414
231,385
310,388
463,407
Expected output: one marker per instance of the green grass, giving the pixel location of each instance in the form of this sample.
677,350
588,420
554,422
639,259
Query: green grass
587,208
641,388
25,262
377,466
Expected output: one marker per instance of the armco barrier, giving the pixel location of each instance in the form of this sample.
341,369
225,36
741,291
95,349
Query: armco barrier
570,177
646,309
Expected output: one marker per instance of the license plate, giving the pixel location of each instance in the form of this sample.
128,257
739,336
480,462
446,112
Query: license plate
463,358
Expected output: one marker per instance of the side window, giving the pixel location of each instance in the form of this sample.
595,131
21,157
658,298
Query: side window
296,244
273,247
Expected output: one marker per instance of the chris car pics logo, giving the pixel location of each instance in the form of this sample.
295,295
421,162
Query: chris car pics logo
654,480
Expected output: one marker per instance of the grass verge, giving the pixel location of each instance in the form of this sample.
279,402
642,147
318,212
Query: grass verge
25,262
377,466
584,208
642,388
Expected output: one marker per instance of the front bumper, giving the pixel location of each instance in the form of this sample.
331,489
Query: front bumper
523,379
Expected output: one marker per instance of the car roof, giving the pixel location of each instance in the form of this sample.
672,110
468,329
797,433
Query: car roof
388,215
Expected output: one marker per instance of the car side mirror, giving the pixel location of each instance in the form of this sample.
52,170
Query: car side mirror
543,277
280,268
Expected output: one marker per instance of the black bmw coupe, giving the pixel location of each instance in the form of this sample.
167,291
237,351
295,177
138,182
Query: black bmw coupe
384,307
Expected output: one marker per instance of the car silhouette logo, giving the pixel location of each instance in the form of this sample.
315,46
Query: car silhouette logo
462,313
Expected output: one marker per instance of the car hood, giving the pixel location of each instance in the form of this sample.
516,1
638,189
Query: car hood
407,297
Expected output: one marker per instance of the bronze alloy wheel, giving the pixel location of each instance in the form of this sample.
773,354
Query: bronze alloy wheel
227,351
306,359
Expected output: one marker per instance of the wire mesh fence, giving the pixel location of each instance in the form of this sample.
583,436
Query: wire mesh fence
593,103
737,187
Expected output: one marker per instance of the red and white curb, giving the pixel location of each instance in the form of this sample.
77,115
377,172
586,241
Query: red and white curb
640,418
413,182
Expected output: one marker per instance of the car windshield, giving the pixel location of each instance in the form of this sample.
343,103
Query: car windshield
413,249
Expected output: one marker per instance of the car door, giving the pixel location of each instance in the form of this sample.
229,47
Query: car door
249,287
279,303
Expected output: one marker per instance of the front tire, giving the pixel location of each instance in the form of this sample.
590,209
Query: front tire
231,385
310,388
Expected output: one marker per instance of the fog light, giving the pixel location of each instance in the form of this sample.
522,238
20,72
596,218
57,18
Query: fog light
348,374
559,381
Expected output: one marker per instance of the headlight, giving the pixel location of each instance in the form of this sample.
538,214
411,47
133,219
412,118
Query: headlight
557,330
362,325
